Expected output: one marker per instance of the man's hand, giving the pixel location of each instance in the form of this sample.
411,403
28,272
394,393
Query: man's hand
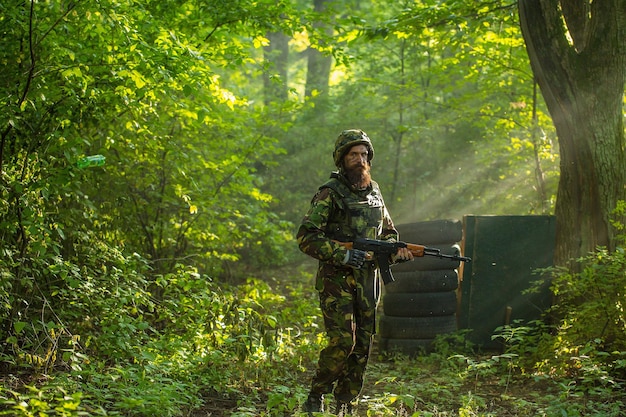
403,255
355,258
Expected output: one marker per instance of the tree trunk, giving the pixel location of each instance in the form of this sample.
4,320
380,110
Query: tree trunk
318,64
580,70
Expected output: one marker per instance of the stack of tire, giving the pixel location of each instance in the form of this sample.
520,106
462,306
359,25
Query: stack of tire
422,302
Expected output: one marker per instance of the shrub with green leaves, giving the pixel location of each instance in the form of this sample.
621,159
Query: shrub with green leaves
591,304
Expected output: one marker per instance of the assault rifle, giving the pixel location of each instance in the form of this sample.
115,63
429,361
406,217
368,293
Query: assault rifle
382,250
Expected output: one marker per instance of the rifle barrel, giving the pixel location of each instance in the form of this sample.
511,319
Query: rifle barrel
438,254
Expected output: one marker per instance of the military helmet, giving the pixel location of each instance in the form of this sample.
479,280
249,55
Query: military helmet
349,138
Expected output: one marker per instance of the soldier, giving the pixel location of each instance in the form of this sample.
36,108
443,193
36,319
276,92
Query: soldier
348,206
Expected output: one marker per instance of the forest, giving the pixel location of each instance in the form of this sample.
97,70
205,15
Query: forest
157,157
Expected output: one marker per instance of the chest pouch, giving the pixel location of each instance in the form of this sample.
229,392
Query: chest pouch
358,214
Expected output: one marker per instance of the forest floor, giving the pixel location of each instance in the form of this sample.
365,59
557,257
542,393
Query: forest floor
415,387
442,384
491,397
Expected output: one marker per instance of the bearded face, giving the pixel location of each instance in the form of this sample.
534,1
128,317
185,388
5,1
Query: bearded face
356,167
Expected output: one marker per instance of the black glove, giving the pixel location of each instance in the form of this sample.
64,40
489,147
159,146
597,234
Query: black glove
355,258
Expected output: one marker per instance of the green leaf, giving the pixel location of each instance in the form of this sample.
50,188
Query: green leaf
19,326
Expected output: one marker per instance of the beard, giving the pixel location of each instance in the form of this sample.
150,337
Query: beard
358,176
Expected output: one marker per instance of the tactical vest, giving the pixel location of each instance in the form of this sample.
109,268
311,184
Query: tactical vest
360,213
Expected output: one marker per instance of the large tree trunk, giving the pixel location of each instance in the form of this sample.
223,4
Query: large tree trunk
581,70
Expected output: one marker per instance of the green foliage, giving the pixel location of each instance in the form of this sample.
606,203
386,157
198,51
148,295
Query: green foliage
255,362
83,306
589,302
78,244
470,384
156,282
52,399
234,340
447,95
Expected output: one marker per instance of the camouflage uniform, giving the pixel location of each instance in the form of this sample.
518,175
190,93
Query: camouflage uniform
348,297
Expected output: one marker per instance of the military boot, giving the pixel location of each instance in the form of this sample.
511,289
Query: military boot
313,404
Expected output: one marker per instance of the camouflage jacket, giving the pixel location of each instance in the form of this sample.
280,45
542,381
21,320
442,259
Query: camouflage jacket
338,212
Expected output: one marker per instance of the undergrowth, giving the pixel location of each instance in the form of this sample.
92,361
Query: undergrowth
201,349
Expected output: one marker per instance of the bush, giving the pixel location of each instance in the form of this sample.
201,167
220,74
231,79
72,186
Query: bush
591,304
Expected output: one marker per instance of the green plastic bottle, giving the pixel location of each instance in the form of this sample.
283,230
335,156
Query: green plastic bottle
91,161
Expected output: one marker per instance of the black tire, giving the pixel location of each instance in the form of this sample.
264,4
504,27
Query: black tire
431,232
431,263
424,281
409,347
419,304
416,327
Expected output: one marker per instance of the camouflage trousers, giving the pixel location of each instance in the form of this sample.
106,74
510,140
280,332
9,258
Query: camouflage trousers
349,313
